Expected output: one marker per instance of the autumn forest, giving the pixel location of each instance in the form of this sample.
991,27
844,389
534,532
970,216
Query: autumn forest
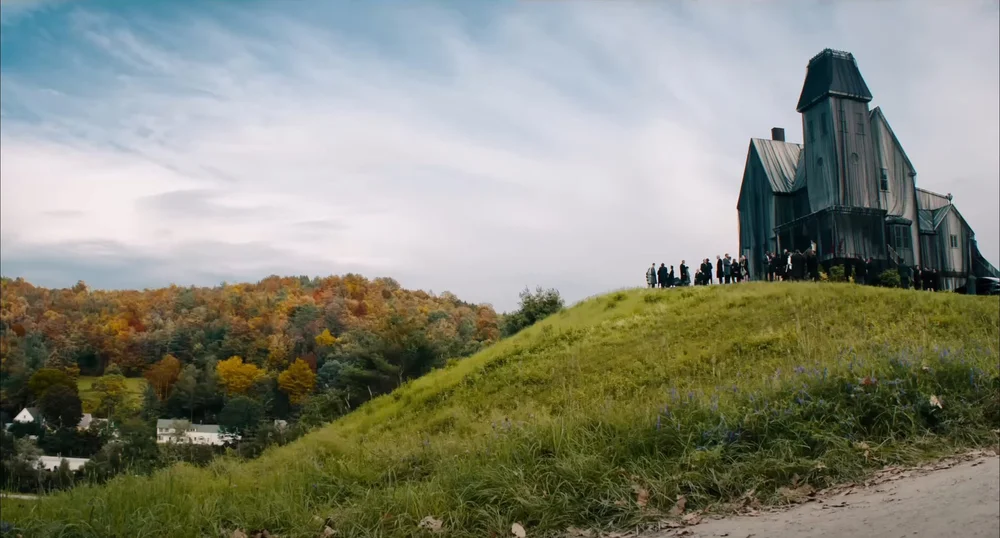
298,350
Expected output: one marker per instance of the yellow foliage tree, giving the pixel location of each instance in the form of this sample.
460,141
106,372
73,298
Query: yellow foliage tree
297,381
236,376
325,339
277,351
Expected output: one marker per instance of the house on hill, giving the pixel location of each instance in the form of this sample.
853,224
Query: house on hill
174,431
33,414
29,414
850,189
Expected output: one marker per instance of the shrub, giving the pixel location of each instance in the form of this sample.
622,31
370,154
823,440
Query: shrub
889,279
837,274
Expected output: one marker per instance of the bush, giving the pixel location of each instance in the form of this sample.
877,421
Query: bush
533,308
889,279
837,274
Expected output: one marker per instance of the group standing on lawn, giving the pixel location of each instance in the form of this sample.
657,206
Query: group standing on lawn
788,266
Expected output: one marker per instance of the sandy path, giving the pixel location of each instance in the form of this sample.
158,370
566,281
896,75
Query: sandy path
961,501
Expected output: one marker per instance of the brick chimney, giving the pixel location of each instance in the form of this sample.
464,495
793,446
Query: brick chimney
778,134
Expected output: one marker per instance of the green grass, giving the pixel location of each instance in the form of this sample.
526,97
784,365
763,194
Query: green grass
135,386
708,393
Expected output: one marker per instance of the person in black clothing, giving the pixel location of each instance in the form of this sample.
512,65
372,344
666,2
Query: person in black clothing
661,275
861,272
782,265
670,277
706,270
870,271
812,265
918,278
718,268
798,266
685,275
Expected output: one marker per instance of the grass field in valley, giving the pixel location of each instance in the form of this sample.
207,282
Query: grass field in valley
603,416
91,399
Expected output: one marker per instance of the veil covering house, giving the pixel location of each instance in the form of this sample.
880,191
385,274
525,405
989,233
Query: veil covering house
849,189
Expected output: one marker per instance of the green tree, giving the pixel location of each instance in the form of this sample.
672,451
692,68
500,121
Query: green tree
328,375
112,395
45,378
533,307
241,416
61,406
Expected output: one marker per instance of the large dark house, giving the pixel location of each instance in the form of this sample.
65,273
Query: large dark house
849,190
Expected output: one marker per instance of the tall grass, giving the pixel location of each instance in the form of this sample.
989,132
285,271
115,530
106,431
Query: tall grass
603,415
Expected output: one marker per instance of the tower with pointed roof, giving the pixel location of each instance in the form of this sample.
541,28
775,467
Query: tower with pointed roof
838,152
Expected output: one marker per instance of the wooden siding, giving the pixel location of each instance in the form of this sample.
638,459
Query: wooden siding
953,259
891,163
820,159
855,154
756,210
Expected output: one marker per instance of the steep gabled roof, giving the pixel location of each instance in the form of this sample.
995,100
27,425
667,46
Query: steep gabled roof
877,113
780,161
832,72
931,200
926,219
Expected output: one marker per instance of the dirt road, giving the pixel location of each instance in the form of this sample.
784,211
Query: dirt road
960,501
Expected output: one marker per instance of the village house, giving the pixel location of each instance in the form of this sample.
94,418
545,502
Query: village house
28,415
850,189
198,434
33,414
52,463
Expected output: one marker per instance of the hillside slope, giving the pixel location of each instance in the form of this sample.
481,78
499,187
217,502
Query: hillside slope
604,415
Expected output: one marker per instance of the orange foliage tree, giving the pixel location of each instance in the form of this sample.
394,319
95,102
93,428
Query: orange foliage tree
163,375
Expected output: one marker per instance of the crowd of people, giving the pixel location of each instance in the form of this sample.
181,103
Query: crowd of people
787,266
727,270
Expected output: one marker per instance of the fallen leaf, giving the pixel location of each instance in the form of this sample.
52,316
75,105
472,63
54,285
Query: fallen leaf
517,530
935,402
431,523
678,508
691,519
641,497
328,531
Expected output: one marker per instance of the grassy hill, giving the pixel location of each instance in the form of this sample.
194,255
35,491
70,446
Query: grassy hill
603,415
91,399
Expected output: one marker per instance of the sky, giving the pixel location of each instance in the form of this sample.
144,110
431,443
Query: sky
473,147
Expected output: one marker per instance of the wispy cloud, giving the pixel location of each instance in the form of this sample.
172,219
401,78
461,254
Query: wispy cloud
566,144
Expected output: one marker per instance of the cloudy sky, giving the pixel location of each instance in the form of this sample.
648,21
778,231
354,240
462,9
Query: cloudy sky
566,144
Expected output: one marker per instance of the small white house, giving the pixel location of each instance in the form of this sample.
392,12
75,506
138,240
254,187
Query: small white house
198,434
29,414
52,463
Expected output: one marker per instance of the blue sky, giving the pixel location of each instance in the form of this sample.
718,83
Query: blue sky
480,150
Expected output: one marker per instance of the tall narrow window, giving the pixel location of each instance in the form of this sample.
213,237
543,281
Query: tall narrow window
861,122
812,132
954,241
885,180
843,121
